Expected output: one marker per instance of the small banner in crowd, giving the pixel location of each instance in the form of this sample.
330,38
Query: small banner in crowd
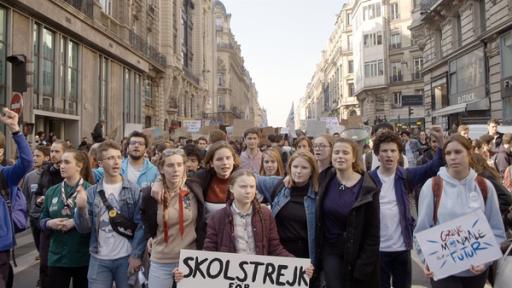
454,246
230,270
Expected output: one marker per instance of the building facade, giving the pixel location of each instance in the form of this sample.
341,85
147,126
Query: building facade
467,50
387,63
144,63
236,96
83,57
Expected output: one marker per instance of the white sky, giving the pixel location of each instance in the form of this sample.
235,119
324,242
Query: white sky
281,42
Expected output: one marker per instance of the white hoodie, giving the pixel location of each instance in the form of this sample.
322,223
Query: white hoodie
455,202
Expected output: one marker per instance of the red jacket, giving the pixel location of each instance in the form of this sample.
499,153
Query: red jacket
220,233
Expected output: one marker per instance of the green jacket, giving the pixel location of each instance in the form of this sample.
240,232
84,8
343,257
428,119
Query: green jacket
70,248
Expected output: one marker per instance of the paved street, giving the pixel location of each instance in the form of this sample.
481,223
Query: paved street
26,274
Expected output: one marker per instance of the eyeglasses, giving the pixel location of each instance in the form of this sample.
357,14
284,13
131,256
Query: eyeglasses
320,146
113,158
134,142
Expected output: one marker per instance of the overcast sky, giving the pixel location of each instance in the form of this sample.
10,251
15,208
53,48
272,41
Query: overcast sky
281,43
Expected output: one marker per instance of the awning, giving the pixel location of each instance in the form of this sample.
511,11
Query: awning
479,104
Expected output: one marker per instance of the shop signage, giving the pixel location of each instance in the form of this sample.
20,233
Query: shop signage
412,100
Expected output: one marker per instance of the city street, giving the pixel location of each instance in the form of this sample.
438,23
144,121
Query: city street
26,274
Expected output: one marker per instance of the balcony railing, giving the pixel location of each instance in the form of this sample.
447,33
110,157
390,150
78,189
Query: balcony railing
139,44
396,78
395,45
85,6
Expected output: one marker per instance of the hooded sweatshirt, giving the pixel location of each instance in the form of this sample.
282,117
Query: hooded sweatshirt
455,202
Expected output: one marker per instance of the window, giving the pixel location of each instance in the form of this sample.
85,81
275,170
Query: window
372,39
138,98
396,41
36,55
103,93
373,69
350,66
349,42
457,32
48,67
506,72
467,78
418,67
185,31
220,79
218,23
127,90
371,11
394,13
3,46
106,6
349,19
482,15
148,92
396,72
397,99
350,89
327,106
68,75
453,77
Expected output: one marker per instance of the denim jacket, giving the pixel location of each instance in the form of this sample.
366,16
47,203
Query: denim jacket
129,201
406,180
265,185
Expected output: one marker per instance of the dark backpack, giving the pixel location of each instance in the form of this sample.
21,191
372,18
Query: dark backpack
17,206
437,190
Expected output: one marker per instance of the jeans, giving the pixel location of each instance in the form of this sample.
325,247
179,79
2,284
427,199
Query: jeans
477,281
44,247
395,268
102,273
4,267
160,274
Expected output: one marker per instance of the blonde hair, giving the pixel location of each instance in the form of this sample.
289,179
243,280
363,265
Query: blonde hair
274,154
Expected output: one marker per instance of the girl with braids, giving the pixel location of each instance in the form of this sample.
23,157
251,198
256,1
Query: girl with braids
243,226
68,256
174,220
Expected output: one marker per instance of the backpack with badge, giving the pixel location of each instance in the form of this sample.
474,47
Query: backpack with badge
437,190
121,224
17,206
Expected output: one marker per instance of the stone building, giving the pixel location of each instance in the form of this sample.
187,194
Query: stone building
330,91
187,41
387,63
86,61
467,50
236,96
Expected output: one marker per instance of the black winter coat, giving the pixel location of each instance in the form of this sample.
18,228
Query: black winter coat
50,176
149,212
362,238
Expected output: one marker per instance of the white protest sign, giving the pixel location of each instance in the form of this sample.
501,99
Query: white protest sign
454,246
315,128
192,126
130,127
230,270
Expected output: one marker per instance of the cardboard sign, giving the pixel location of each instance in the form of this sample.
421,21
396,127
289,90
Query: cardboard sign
230,270
315,128
240,125
207,129
284,130
454,246
267,131
192,126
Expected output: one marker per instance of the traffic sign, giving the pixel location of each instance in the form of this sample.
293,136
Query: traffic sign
17,102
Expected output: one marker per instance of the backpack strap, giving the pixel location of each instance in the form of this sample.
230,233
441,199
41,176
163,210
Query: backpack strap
368,160
480,181
437,190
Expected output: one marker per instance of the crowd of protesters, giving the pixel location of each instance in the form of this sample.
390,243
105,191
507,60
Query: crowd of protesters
108,212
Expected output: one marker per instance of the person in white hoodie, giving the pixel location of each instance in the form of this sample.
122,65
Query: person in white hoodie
460,195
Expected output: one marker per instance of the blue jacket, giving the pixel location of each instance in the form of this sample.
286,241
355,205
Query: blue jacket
147,176
406,180
265,185
13,175
129,201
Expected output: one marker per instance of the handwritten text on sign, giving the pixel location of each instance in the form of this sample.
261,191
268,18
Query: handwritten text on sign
454,246
229,270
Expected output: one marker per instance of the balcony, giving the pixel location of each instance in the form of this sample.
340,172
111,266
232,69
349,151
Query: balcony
151,52
396,78
395,45
84,6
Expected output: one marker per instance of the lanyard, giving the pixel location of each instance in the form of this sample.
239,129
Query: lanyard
68,202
